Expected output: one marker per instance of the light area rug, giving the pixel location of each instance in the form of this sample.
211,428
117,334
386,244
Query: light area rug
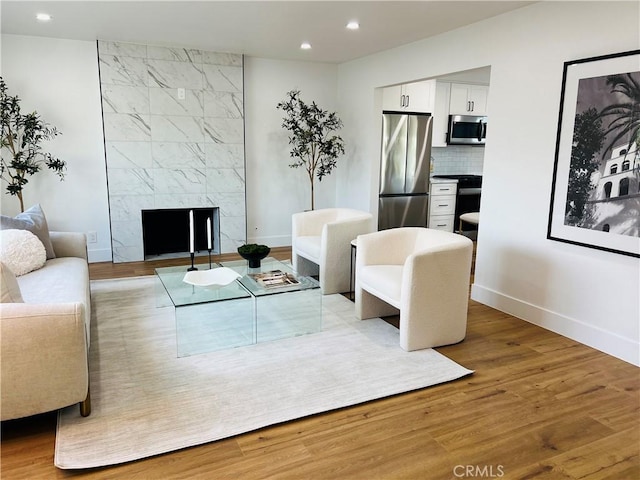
146,401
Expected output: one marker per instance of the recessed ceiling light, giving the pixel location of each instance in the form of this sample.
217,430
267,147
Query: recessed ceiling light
43,17
353,25
305,46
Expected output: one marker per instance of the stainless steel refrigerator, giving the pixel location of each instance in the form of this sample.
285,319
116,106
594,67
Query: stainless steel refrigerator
404,170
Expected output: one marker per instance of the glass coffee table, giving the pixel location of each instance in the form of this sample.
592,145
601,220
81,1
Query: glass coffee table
249,310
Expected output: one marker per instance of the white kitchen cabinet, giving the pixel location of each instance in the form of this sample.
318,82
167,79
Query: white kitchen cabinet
417,97
441,114
442,205
468,99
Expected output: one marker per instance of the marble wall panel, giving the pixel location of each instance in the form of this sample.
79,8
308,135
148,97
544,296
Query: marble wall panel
126,126
183,200
166,152
123,49
223,130
222,78
117,70
130,181
231,204
174,128
225,180
163,73
165,101
223,105
129,154
220,155
219,58
126,236
232,233
178,155
179,180
175,54
128,207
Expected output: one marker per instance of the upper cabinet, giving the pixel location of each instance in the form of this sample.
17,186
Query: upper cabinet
441,114
468,99
418,97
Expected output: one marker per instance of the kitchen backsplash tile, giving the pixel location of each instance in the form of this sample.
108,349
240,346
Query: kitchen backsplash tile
457,159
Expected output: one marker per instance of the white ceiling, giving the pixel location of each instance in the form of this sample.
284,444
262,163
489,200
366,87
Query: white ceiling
270,29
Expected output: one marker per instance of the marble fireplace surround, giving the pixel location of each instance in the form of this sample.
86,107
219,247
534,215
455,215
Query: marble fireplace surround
174,138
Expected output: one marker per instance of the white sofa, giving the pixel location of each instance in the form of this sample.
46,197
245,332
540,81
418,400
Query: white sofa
44,339
424,273
321,244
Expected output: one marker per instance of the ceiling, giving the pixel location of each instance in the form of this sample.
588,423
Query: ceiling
269,29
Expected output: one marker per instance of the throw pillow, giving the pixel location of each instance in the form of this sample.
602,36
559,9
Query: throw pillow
9,287
21,251
33,220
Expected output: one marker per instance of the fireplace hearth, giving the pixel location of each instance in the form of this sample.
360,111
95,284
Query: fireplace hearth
165,232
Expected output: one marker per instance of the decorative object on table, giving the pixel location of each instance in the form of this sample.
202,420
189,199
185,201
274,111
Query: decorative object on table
253,253
212,277
209,246
192,241
314,146
597,162
22,154
274,279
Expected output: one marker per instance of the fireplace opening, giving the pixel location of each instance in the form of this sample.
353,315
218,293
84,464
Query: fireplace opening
166,232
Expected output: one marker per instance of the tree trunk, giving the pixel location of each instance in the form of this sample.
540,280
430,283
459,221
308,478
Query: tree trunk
312,195
21,201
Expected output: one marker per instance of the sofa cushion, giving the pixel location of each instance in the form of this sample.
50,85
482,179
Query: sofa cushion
383,281
34,220
21,251
61,280
9,286
309,247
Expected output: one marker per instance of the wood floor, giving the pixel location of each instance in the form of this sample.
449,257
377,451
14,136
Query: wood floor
539,406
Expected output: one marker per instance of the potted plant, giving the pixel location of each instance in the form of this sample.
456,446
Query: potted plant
253,253
22,154
315,146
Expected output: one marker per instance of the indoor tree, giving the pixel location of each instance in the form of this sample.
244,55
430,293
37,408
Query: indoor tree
22,154
315,146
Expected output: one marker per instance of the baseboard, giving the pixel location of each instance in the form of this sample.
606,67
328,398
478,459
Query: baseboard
610,343
99,255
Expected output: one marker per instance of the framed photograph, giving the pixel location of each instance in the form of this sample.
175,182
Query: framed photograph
595,196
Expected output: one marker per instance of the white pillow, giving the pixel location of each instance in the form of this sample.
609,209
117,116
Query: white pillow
21,251
9,286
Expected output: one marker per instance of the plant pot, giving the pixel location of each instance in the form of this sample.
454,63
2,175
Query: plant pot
254,258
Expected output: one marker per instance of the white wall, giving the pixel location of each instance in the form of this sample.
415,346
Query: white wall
275,190
585,294
59,79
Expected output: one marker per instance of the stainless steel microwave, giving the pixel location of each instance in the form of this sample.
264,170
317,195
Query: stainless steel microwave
467,130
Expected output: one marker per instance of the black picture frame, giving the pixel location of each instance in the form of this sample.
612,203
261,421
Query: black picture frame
592,205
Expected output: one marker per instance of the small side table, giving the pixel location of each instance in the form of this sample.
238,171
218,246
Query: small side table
352,280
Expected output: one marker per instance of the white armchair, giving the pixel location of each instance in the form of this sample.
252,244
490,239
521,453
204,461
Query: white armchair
423,273
321,244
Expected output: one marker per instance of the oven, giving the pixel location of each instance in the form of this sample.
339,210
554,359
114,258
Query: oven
467,198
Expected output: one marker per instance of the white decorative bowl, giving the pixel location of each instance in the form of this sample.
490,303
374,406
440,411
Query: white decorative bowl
207,278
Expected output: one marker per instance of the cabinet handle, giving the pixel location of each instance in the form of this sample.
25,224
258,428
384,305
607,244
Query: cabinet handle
407,104
443,205
441,225
468,106
473,105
